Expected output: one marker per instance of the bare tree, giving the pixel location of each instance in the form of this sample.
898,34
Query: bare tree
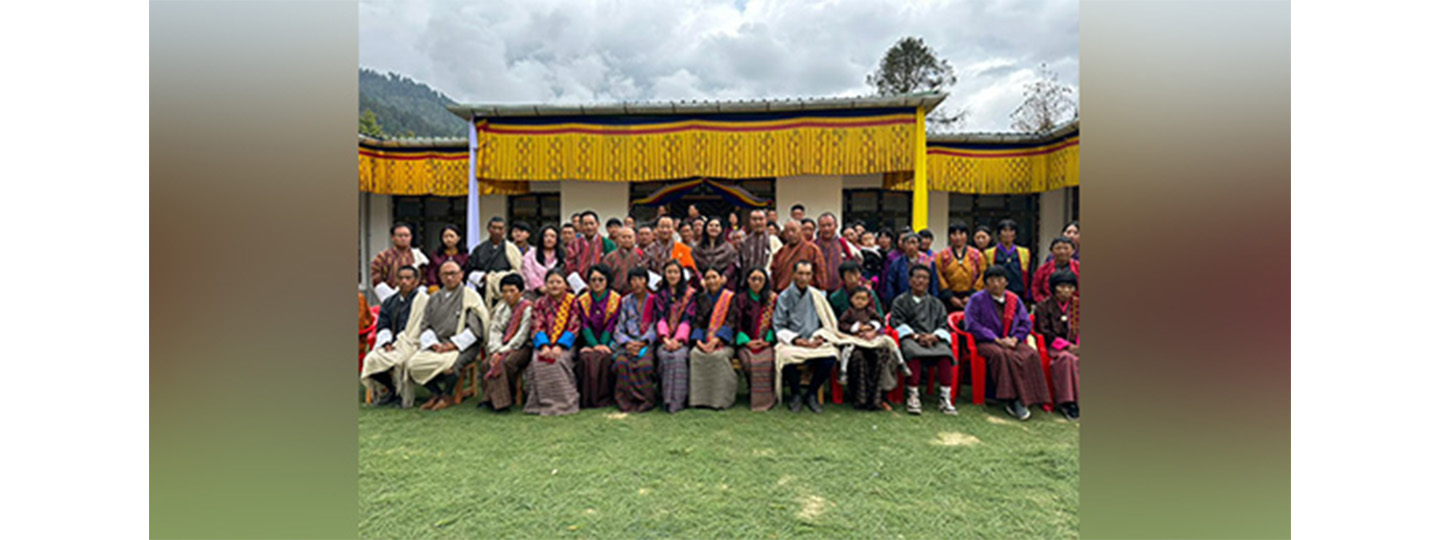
912,66
1047,104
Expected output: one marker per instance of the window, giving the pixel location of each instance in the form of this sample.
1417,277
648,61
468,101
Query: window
535,209
1073,194
429,215
878,208
988,210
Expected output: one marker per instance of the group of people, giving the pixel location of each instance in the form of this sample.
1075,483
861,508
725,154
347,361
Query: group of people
675,312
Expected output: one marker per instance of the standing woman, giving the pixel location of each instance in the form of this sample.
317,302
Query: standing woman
550,377
449,250
677,313
712,251
635,345
598,308
1071,231
547,255
984,238
755,337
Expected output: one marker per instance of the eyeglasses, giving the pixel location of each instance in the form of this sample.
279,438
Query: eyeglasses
597,279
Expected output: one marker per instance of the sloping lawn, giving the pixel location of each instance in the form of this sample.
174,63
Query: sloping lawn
466,473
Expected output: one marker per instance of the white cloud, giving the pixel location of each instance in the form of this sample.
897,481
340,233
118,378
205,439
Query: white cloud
554,51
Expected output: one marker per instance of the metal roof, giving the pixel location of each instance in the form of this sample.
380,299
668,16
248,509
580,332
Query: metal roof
1006,137
414,142
928,100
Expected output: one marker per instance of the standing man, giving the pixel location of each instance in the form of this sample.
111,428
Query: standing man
588,247
1013,259
960,269
997,319
625,257
507,345
612,226
897,276
927,239
664,248
491,261
796,249
833,248
919,320
397,337
567,235
450,338
758,245
797,213
644,236
806,329
385,267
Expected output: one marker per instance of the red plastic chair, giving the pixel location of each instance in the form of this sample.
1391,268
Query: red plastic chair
932,373
977,362
369,334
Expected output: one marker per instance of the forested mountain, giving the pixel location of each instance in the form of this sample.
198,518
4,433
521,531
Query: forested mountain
403,107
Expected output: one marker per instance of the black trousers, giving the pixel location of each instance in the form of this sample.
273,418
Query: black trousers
819,375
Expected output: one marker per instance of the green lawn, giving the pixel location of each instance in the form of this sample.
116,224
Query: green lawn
467,473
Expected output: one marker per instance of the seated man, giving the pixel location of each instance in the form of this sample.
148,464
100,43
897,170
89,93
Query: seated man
507,346
919,320
1057,319
997,319
806,327
397,337
450,334
712,373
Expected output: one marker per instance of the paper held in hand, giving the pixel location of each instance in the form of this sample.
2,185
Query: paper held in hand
576,282
654,281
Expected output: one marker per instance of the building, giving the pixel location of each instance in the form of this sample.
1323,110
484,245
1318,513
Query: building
855,157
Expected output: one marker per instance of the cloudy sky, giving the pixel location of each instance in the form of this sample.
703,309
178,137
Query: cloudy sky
571,51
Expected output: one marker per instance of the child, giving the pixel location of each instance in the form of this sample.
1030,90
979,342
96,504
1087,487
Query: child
872,260
863,321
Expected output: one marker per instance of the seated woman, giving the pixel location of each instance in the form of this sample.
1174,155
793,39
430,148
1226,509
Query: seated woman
598,309
677,308
866,367
754,336
1057,319
712,371
550,377
997,319
635,345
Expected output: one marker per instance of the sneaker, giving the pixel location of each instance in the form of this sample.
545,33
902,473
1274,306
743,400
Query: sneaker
813,403
945,406
795,403
1018,410
1070,410
912,399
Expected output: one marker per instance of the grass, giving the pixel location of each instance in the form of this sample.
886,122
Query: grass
465,473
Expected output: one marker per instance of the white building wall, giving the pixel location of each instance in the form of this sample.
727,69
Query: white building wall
491,205
819,194
1052,219
608,199
937,219
375,214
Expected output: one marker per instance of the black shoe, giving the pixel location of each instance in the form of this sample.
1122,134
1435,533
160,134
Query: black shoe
1018,410
390,399
1070,410
483,405
814,404
795,403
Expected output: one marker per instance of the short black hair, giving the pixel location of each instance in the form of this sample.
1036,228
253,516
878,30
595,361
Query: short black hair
1007,224
603,269
807,221
513,279
567,225
797,264
590,213
614,222
1061,240
399,224
797,206
849,267
638,271
522,226
984,229
926,234
497,219
1064,277
885,231
713,268
959,226
919,268
995,271
409,267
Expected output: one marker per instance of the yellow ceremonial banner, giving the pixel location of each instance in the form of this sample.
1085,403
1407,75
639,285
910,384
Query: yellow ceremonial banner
441,170
734,146
995,169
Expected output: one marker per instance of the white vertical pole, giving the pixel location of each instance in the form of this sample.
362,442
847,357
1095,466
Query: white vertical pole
472,195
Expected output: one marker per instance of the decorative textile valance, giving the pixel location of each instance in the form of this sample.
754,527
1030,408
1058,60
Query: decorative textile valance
730,193
423,169
629,148
992,168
